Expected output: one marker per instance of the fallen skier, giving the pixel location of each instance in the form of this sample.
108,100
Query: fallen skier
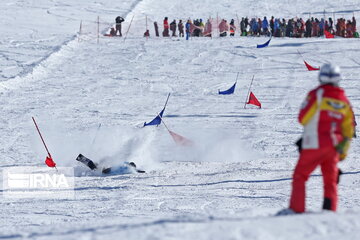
105,170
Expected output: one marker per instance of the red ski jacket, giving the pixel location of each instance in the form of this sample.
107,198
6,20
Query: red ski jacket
166,24
327,117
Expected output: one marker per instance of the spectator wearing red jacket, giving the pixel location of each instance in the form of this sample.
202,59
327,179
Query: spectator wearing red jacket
166,27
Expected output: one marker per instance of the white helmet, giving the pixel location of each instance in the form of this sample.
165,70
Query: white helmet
329,74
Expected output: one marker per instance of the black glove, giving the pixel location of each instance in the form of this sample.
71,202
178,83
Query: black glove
299,144
339,173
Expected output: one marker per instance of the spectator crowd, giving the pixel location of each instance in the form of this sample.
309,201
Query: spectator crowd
276,27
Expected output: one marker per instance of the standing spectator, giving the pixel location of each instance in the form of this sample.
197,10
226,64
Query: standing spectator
321,27
331,25
188,28
223,28
337,26
272,23
328,122
201,27
315,28
156,29
181,28
289,28
207,29
246,24
242,27
327,26
342,27
265,26
282,27
277,27
259,23
173,28
196,31
308,26
232,28
296,27
254,27
349,28
353,25
118,21
301,27
166,28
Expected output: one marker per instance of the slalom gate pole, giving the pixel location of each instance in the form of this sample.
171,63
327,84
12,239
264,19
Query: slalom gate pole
42,139
211,30
190,33
167,100
249,91
237,16
301,55
237,77
97,131
162,120
129,27
80,30
217,23
146,26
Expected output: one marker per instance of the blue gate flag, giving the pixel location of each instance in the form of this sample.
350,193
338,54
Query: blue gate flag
263,45
229,91
157,119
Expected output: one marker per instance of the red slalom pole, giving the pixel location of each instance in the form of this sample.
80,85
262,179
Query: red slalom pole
249,91
47,150
42,139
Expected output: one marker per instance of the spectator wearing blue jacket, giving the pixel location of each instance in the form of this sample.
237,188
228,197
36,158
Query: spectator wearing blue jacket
254,26
187,28
322,26
265,26
277,28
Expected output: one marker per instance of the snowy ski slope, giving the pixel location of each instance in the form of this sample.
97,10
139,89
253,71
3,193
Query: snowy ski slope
236,176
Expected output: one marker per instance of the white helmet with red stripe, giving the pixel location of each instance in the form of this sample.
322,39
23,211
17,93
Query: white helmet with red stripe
329,74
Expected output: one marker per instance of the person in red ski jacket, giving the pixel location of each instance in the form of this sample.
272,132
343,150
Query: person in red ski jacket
329,125
166,28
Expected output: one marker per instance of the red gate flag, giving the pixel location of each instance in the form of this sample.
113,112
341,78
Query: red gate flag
310,68
328,34
180,140
253,100
50,162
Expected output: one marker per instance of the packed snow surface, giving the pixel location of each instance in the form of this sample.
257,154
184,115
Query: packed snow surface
235,177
